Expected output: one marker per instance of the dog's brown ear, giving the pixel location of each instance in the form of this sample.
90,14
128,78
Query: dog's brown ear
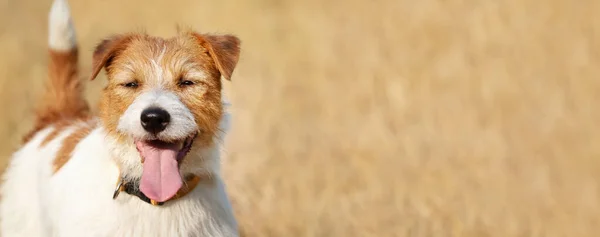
106,51
224,50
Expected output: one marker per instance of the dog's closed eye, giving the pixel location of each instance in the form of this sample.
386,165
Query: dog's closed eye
131,85
186,83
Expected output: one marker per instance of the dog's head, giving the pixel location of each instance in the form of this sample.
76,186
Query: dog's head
163,98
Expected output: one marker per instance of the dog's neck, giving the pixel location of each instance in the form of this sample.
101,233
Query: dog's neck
132,188
201,163
203,159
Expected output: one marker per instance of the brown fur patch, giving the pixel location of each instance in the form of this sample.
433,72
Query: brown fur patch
69,144
107,49
63,99
224,49
58,128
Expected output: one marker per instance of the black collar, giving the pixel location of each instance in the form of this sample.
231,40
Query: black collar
132,188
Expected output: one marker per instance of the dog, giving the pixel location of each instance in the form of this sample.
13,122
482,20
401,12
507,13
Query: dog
148,164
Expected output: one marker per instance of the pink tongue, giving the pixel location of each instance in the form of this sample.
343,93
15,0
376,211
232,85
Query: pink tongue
160,179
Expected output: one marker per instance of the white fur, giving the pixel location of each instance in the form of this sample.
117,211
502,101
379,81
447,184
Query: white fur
60,27
156,64
182,123
77,200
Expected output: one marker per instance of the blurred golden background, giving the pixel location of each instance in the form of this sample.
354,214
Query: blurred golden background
375,118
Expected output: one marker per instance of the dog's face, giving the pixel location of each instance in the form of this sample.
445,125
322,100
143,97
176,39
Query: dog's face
164,96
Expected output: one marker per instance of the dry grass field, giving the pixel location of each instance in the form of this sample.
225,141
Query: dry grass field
376,118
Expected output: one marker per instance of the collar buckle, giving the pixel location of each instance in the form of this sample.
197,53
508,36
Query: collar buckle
118,189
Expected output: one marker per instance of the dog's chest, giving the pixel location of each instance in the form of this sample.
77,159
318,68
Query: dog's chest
136,218
77,201
129,216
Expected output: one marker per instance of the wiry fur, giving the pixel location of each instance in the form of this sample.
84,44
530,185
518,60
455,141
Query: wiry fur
61,182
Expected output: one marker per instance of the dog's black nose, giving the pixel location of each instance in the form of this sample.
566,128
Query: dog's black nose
155,120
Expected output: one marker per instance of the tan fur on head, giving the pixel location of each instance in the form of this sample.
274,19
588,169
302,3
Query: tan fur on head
225,50
106,50
153,62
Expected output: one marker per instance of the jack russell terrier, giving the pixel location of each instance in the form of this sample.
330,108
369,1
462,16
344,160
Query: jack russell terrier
148,163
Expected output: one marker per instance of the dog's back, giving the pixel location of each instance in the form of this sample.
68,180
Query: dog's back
20,207
62,105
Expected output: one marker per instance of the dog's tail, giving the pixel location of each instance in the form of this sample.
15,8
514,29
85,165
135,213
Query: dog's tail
63,97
